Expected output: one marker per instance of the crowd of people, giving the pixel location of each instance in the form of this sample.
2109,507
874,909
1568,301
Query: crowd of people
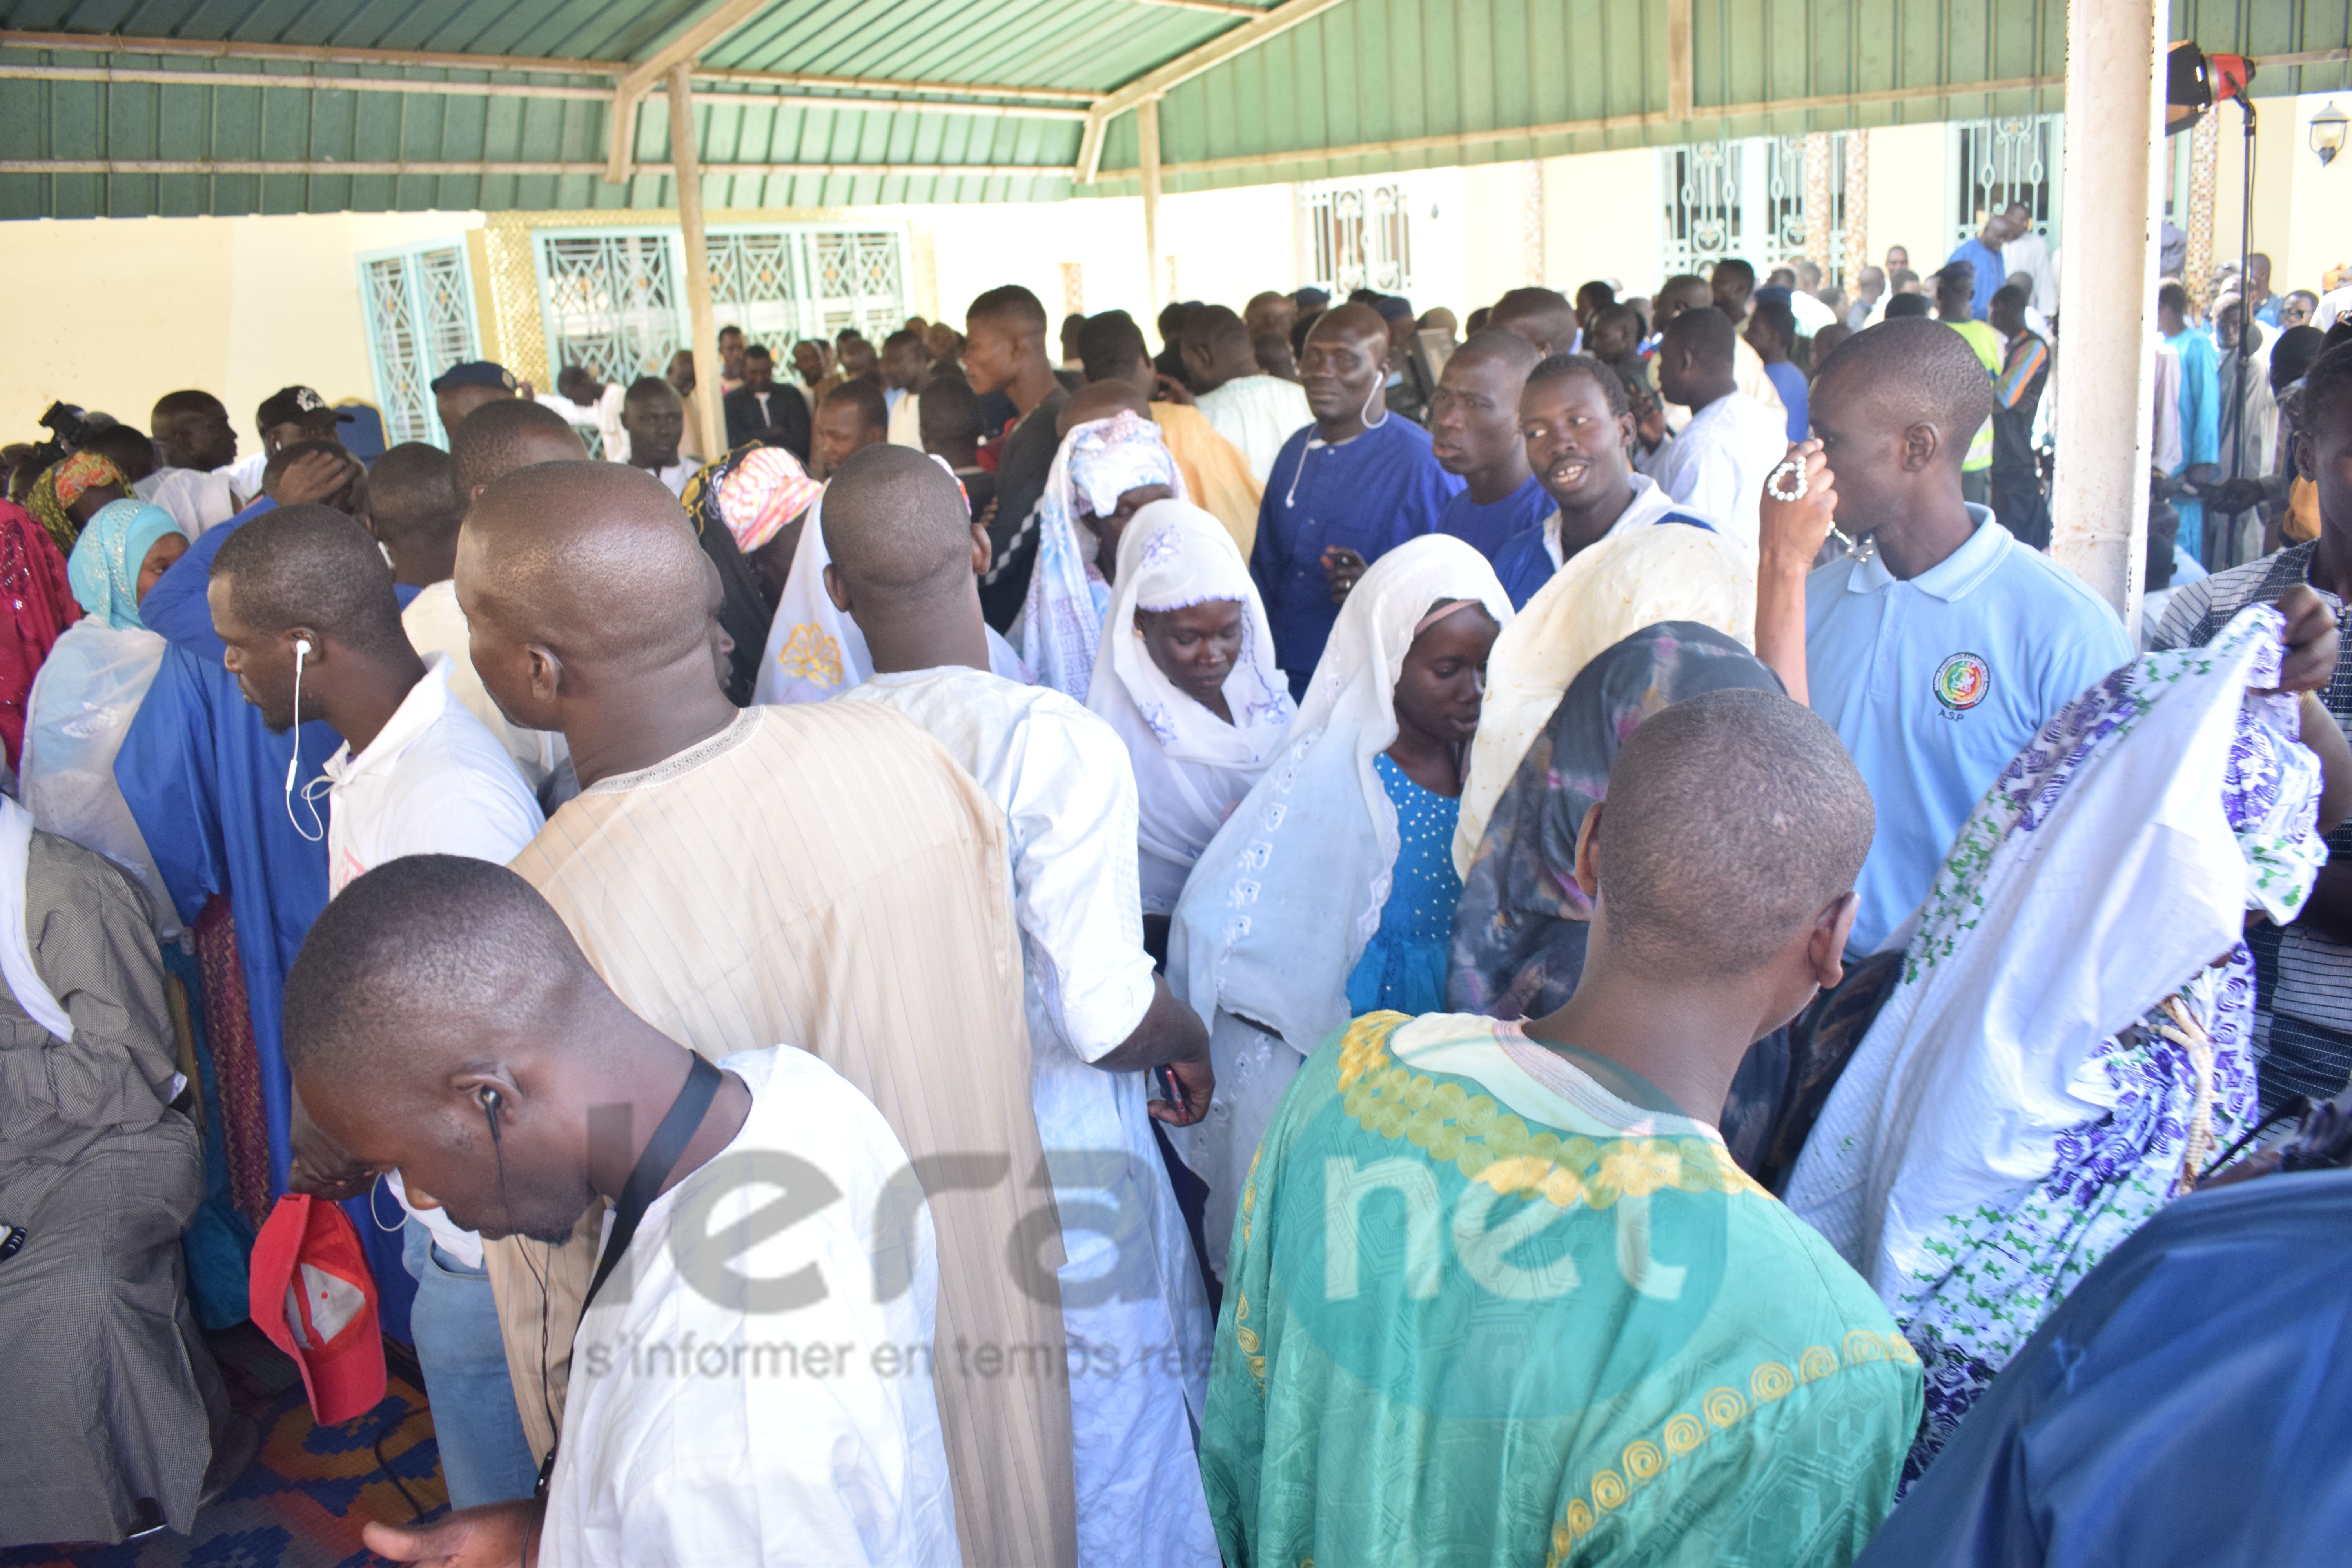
1362,939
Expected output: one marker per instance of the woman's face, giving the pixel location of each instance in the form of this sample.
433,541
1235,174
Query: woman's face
1195,647
1443,682
158,561
2295,311
1107,530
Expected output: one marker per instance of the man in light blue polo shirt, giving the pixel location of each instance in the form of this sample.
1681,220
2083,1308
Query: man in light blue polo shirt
1940,656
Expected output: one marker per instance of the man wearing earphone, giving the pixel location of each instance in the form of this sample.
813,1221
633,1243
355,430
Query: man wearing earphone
1346,489
304,602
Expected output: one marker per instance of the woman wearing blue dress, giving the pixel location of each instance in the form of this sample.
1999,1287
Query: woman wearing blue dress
1330,891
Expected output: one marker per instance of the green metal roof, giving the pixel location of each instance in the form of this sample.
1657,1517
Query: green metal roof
962,100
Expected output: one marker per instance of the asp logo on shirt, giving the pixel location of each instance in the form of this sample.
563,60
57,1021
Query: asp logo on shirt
1962,682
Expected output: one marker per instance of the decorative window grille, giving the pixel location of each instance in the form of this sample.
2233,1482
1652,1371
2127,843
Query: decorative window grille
419,304
612,301
1747,198
1997,161
1359,236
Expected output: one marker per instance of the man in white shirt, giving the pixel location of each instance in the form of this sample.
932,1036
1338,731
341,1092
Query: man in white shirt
752,1382
904,556
591,404
655,417
1256,412
304,602
489,443
193,434
1691,292
905,365
1717,465
2027,255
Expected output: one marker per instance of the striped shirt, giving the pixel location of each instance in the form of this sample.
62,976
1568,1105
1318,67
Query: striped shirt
2303,1027
826,877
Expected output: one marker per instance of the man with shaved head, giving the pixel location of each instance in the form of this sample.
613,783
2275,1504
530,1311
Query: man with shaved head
1474,430
1689,291
1217,477
1947,649
821,875
1099,1019
1439,1194
493,441
1346,490
1716,465
1005,350
1255,411
1543,315
444,1027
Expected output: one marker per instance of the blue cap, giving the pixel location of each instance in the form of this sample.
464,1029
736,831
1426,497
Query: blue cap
1311,299
1393,307
1773,294
475,373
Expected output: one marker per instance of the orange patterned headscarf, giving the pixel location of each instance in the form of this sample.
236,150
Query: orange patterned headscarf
83,472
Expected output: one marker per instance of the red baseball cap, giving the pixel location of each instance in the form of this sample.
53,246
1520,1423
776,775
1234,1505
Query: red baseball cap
314,1294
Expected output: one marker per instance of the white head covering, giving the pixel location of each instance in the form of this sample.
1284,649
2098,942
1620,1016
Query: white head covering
1062,619
2100,874
25,982
1284,900
1605,593
1189,765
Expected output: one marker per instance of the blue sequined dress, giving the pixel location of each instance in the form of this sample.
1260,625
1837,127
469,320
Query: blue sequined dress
1403,966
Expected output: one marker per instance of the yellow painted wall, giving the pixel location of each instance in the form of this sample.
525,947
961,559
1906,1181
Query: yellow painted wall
111,313
1910,195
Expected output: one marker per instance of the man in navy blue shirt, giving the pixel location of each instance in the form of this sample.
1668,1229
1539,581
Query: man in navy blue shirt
1474,429
1982,251
1346,489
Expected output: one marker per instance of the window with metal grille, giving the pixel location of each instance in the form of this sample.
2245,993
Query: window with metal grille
1359,236
419,304
613,300
1997,161
1749,198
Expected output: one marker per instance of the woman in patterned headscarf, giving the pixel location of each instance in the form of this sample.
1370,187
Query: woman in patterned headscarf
1105,470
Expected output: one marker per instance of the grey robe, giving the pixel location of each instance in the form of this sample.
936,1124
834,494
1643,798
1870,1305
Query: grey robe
113,1396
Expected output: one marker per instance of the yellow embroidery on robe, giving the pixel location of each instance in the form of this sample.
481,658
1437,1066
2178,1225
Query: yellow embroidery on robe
810,655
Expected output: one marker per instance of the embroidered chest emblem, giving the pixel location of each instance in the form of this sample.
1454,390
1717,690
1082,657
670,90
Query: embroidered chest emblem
1962,682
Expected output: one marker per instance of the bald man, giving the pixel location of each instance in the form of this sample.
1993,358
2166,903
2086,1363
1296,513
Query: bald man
1691,292
499,436
442,1023
1543,315
1346,489
197,443
1947,650
902,563
823,876
1474,430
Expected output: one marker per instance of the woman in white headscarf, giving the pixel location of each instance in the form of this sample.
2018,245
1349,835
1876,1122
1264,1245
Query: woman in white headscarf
1107,470
1185,674
1330,892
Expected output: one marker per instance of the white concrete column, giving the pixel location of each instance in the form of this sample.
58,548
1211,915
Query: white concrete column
2113,202
1147,136
686,165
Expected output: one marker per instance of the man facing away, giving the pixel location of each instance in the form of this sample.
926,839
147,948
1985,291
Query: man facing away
902,552
1982,252
821,874
1346,490
487,445
2199,403
1948,647
301,599
443,1024
1216,476
1717,465
1004,351
1255,411
1473,433
462,388
1498,1293
2017,499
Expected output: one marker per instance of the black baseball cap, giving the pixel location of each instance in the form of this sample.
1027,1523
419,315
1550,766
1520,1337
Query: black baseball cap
294,406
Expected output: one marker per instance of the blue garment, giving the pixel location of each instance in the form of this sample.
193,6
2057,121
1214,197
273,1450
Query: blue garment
1523,565
205,781
1991,270
1486,529
485,1457
1790,382
1403,966
2201,1362
1369,495
1934,684
2200,426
